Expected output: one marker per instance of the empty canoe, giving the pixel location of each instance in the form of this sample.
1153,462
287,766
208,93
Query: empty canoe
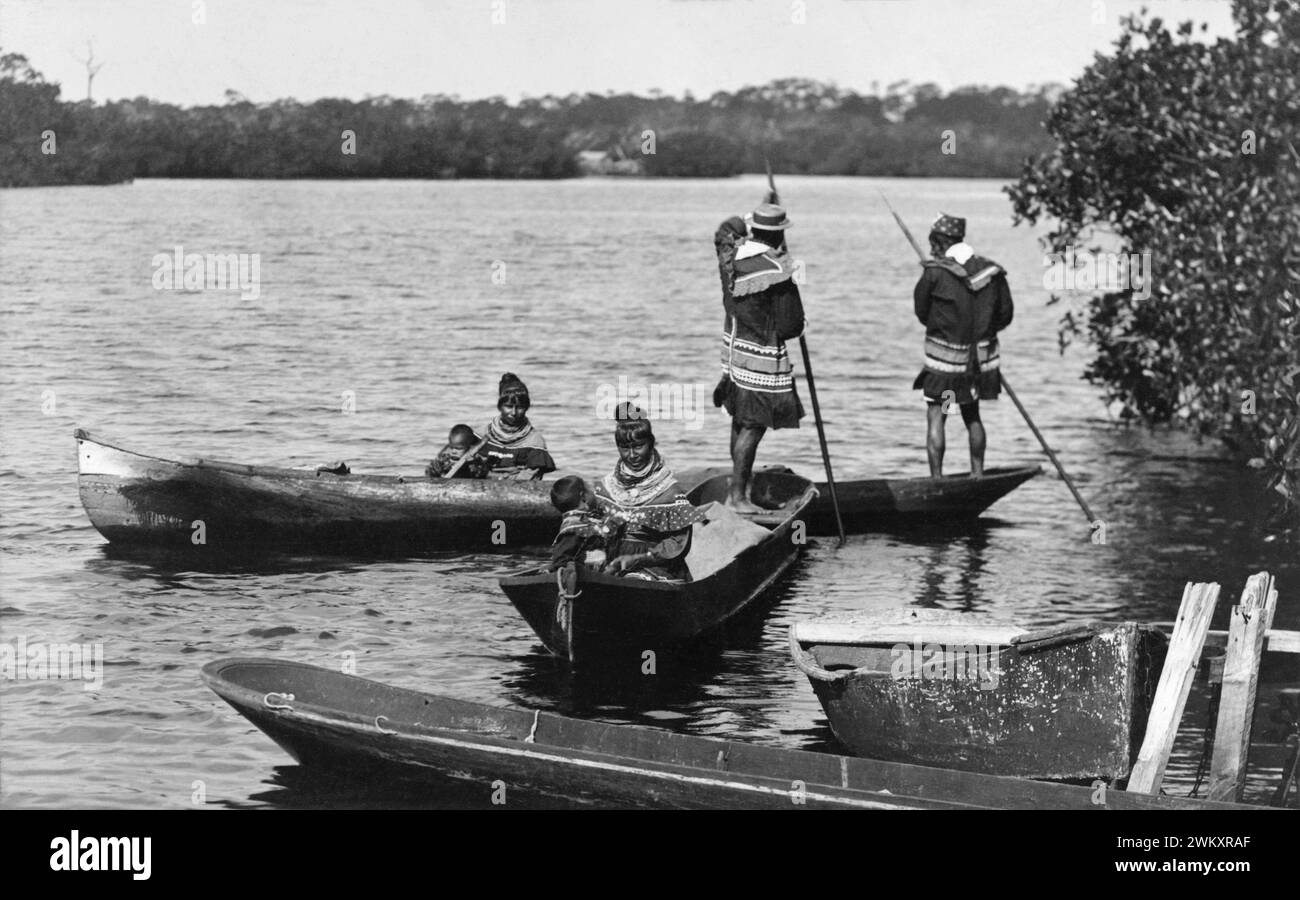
957,691
372,732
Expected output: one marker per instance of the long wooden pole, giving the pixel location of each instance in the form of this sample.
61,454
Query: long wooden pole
1083,504
821,436
812,394
1069,482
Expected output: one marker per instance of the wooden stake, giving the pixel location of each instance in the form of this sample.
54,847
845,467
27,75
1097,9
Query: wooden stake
1175,682
1250,619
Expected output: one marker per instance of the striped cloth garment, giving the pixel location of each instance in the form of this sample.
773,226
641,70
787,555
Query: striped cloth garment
757,367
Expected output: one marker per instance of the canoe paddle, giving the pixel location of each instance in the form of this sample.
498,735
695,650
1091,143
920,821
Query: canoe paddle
1069,482
812,393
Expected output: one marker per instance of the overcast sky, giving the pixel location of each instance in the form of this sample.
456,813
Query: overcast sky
269,49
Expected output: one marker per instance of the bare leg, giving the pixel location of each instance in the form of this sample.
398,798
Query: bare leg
978,441
934,442
744,447
970,413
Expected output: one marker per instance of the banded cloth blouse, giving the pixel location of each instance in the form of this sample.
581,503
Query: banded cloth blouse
658,515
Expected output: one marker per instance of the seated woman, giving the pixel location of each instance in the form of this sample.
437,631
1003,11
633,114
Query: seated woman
644,493
513,448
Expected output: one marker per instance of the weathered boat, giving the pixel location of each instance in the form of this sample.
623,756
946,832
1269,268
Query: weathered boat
608,614
945,689
882,504
212,506
373,732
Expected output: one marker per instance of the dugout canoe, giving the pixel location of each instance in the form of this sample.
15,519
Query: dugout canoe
612,615
883,504
937,688
136,499
376,733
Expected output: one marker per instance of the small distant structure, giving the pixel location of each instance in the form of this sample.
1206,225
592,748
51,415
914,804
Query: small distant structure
608,162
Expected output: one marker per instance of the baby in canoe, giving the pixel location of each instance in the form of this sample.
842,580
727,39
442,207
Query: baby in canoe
459,442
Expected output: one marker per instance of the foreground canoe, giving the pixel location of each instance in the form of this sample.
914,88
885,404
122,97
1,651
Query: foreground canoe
881,504
952,690
611,615
212,506
374,732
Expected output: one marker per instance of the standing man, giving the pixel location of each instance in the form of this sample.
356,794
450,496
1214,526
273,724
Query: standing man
763,310
963,301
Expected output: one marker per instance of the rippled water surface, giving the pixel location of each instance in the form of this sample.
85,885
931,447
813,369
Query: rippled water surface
387,290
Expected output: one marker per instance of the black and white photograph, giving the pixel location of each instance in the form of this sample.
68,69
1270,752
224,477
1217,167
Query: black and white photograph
565,406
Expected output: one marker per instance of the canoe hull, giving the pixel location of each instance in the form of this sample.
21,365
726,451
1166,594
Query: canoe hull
1075,711
614,616
212,506
884,504
370,731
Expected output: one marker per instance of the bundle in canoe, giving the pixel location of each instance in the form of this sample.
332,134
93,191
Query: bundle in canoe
608,614
879,504
143,500
944,689
372,732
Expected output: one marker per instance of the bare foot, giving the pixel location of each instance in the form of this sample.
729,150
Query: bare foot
743,506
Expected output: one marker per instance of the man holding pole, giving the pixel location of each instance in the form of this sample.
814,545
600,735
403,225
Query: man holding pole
763,311
963,301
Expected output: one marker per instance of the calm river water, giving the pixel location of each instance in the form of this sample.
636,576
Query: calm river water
415,297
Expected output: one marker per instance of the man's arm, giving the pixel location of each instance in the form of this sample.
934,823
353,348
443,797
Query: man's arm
921,298
1005,309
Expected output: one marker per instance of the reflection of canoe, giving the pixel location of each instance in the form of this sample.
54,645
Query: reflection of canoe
373,732
613,614
879,504
945,689
137,499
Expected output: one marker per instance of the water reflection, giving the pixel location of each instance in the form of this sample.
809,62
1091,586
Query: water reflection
132,562
680,689
961,558
295,787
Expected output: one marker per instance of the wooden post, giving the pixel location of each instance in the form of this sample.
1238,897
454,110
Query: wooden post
1250,619
1175,682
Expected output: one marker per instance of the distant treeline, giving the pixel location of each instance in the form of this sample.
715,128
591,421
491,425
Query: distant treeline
805,127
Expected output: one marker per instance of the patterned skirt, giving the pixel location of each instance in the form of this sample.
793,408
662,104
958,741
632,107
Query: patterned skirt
758,384
946,369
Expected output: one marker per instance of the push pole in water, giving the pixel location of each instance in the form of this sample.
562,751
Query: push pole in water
1092,520
812,394
1048,450
821,436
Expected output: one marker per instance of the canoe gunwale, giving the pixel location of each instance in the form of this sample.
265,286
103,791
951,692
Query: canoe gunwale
806,662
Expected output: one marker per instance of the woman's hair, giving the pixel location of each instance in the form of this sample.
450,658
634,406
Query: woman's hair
511,387
567,493
633,425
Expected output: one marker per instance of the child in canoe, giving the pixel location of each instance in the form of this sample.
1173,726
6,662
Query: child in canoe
459,442
588,533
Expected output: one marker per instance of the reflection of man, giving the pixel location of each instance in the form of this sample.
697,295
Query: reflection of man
963,301
757,384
